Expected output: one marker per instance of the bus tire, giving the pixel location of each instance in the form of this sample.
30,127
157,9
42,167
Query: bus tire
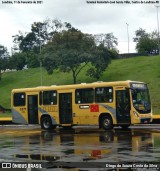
106,122
46,123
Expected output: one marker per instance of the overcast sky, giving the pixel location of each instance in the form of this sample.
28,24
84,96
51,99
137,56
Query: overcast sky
89,18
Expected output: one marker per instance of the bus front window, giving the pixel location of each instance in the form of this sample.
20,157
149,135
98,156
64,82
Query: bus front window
140,98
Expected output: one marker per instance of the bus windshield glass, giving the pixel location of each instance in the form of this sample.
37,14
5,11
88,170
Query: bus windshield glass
140,98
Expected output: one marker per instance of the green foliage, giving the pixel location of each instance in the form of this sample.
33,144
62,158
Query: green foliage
32,60
72,50
108,40
147,43
143,68
40,34
4,55
31,41
140,33
4,63
100,61
113,53
3,52
18,61
65,48
69,50
29,44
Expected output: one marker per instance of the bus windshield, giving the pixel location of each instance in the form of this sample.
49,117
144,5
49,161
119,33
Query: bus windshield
140,97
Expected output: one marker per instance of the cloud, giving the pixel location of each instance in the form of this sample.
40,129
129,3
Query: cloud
90,18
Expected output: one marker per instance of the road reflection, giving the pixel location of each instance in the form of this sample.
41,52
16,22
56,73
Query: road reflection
81,146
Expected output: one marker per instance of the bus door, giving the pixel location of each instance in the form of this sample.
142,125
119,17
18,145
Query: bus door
65,108
33,109
123,106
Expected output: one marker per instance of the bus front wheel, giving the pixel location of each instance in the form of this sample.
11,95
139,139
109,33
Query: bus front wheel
46,123
106,122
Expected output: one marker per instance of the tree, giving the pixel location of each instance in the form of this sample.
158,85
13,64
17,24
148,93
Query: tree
69,50
3,59
101,60
146,45
108,40
40,34
1,63
18,61
32,60
146,42
140,33
31,43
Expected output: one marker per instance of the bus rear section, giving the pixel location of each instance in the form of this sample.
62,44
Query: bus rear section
24,108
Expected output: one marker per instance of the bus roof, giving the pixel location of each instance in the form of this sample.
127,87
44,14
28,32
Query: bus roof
76,86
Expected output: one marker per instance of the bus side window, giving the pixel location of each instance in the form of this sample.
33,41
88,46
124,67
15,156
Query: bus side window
84,96
50,97
19,99
104,95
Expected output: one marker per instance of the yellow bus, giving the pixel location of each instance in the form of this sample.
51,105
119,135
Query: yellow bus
106,104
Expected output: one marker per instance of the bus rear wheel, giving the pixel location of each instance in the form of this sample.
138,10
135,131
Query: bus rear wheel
106,122
46,123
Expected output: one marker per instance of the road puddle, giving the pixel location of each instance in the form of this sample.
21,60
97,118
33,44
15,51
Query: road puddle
81,149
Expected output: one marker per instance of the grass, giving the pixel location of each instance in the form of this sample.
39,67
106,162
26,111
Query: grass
6,114
144,68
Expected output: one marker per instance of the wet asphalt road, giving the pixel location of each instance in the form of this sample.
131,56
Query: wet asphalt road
56,149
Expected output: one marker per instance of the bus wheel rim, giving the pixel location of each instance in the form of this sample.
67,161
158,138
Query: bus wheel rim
106,122
46,123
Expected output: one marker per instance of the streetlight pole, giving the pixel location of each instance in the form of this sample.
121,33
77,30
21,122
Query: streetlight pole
158,28
128,36
40,57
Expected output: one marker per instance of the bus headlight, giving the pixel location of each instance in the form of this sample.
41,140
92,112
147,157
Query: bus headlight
136,114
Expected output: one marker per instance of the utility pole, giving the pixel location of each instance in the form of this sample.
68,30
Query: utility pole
40,57
128,36
158,28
